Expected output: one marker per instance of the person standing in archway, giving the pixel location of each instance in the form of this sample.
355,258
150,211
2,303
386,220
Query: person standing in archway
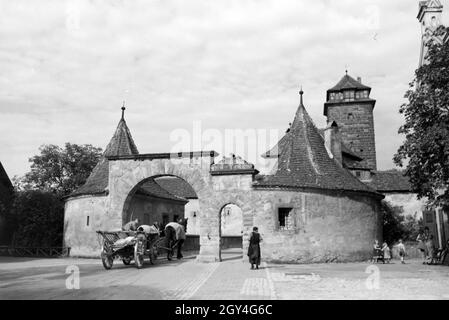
254,248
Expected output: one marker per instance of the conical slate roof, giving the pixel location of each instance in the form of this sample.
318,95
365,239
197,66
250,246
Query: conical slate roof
121,144
303,161
348,82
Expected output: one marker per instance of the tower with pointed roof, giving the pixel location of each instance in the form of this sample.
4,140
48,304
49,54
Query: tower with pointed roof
305,162
121,144
349,104
430,17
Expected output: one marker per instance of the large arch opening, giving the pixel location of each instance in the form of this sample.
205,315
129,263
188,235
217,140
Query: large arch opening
163,199
230,232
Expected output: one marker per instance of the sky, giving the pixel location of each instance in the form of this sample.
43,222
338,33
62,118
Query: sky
67,66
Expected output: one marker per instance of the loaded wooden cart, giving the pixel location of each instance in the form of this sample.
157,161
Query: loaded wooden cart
130,246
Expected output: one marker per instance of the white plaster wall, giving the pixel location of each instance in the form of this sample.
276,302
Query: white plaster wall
81,238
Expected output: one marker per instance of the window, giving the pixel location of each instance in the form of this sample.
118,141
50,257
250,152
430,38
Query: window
87,222
285,217
165,219
358,174
349,95
365,94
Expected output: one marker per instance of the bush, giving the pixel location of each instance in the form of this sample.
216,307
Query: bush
38,219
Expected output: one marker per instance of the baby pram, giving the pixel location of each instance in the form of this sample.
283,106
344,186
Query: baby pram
378,255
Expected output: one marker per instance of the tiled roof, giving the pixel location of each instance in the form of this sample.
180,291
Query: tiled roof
177,187
347,82
152,188
4,179
303,161
390,181
274,152
121,144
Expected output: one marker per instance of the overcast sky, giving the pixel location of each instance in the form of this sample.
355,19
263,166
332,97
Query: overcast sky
66,67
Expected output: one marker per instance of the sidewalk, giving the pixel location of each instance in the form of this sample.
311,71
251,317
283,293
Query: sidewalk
234,280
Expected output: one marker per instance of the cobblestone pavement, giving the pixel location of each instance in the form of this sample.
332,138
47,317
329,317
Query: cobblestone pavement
23,278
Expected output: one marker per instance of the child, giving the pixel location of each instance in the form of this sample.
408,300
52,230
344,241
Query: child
430,250
377,252
401,249
386,251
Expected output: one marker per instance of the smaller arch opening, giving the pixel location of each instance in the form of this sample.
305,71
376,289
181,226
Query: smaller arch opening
230,232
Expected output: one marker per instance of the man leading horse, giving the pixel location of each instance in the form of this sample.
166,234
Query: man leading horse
176,231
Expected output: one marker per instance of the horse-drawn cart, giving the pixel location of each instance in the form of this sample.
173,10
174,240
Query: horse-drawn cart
127,246
133,246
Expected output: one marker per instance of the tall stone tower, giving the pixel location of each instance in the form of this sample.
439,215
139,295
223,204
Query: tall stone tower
349,104
429,16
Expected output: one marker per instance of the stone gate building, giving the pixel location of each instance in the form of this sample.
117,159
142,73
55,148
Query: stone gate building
310,208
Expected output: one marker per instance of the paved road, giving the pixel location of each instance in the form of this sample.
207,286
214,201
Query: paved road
25,278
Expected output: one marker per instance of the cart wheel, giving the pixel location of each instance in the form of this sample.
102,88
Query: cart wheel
138,255
107,260
127,261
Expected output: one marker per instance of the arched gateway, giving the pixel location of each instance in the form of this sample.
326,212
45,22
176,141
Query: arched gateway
309,209
213,191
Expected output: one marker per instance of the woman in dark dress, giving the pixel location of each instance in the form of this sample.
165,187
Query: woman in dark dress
254,248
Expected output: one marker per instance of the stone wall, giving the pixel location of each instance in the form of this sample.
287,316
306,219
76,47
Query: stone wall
327,228
356,124
82,238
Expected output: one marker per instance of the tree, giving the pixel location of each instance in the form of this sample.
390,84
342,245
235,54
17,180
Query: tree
397,226
426,128
412,227
393,228
38,219
58,170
